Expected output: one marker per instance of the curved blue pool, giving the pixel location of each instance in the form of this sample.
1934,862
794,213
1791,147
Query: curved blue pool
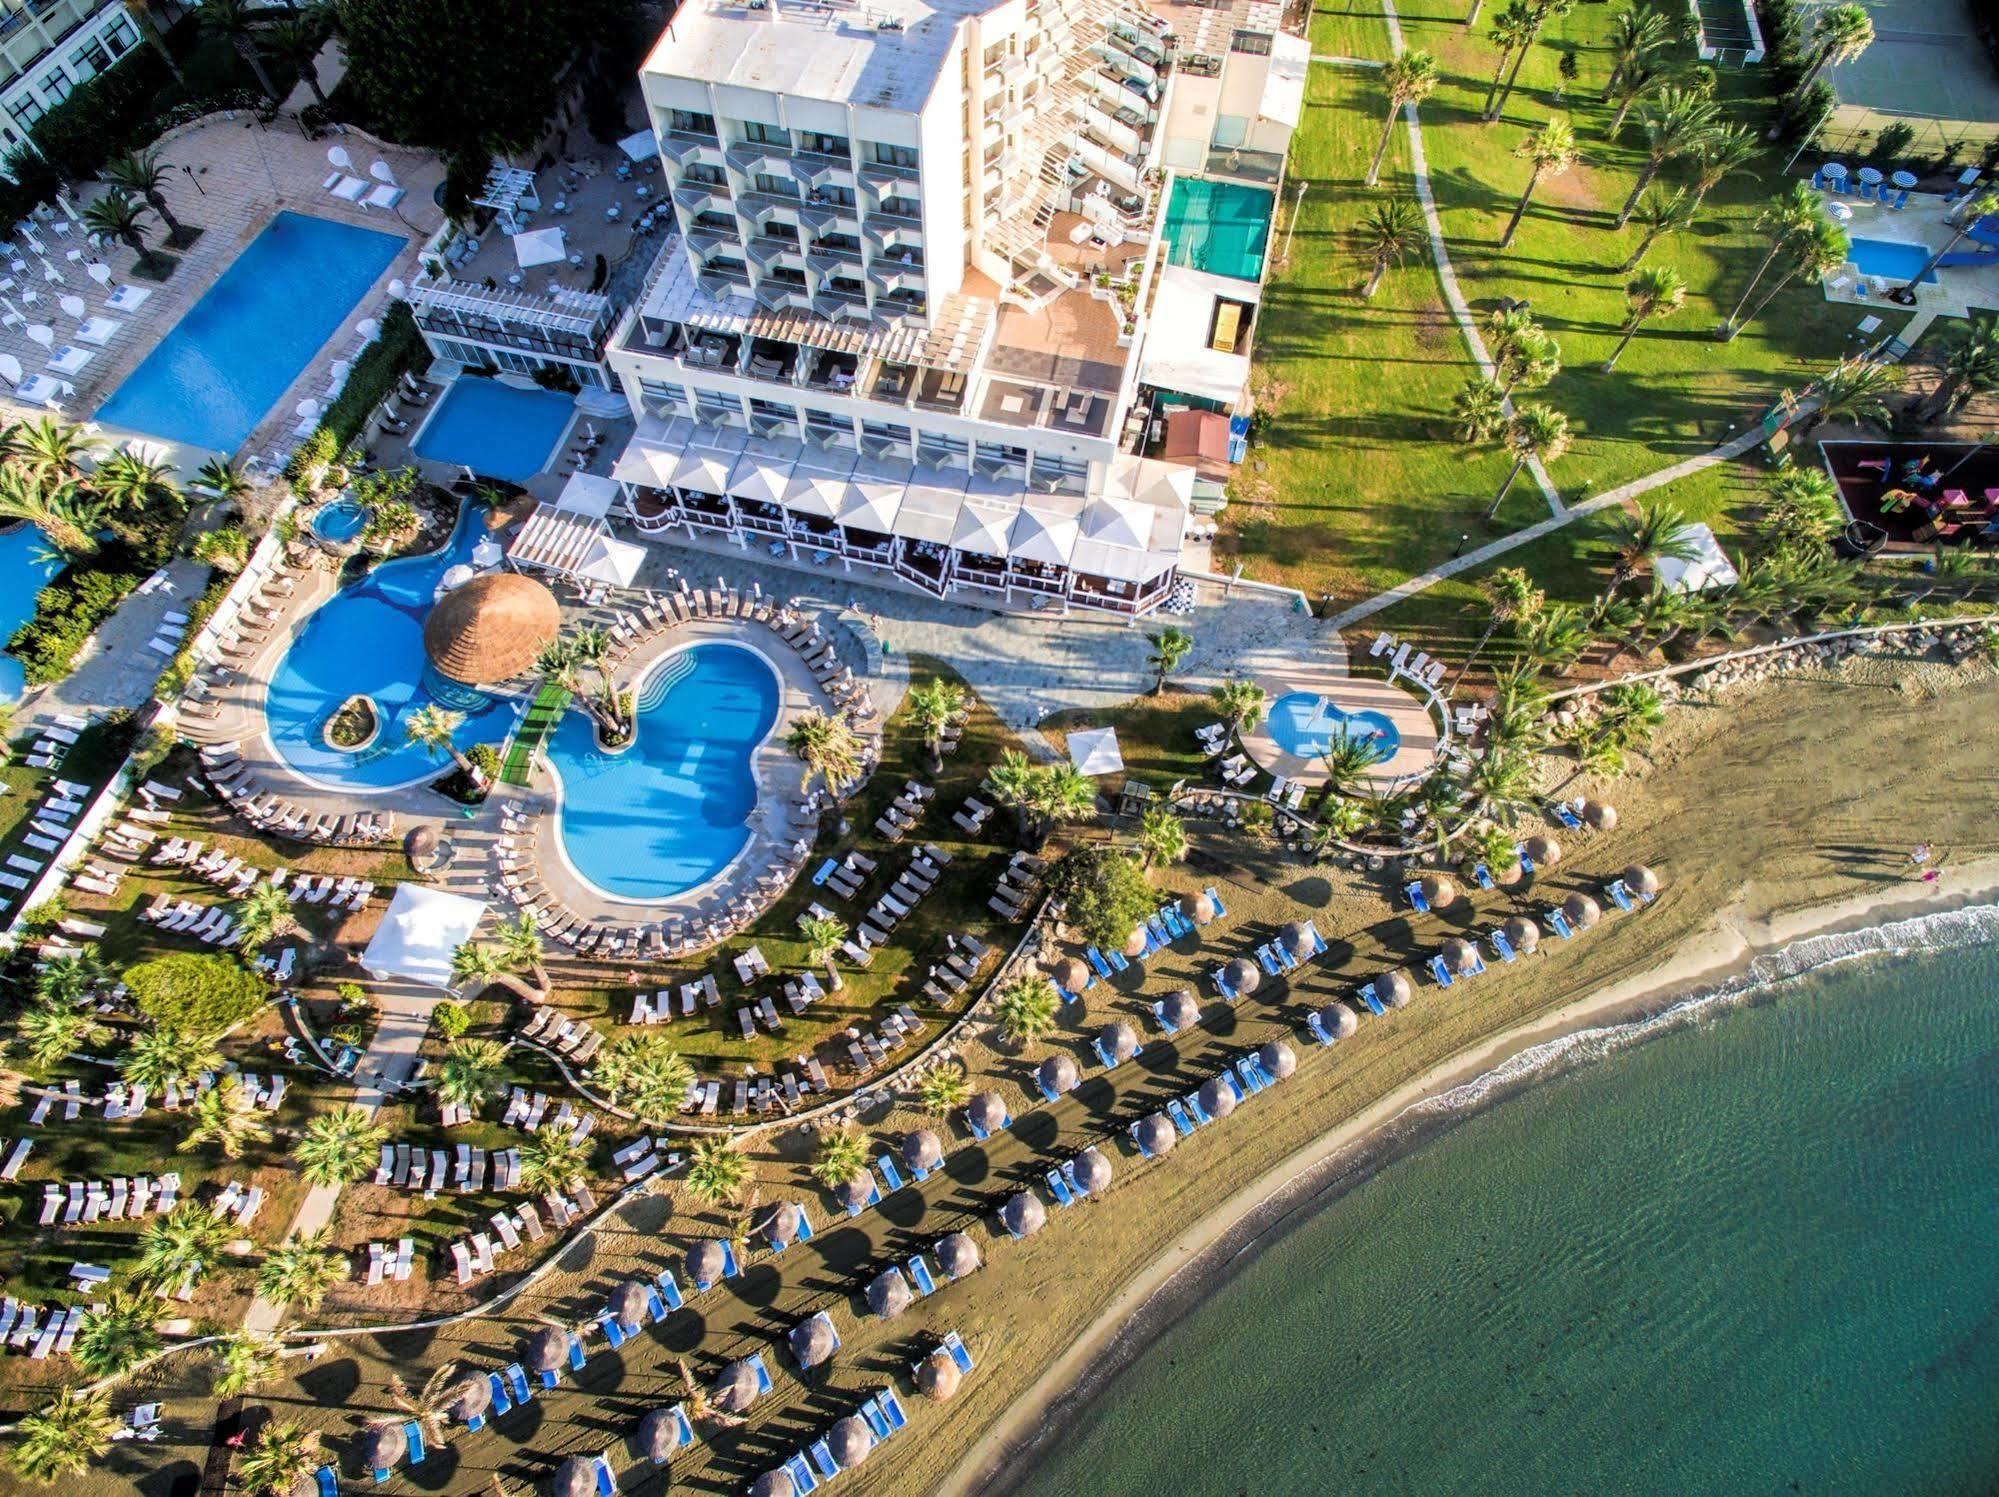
368,639
26,564
1304,723
671,811
341,520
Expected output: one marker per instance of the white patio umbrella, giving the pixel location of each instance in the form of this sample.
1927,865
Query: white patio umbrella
397,287
368,327
306,407
68,208
12,310
46,336
74,306
100,273
382,172
339,157
10,368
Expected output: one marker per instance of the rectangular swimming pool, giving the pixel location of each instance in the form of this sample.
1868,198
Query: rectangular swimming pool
222,367
1891,259
496,430
1222,228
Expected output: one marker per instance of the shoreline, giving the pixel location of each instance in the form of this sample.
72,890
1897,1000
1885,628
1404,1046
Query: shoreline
1184,1273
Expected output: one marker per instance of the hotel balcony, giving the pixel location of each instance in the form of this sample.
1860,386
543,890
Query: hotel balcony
703,197
762,209
887,275
834,305
773,252
823,171
685,148
828,218
887,232
569,323
751,160
889,181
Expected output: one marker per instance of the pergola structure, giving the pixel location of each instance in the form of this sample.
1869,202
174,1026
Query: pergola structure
572,536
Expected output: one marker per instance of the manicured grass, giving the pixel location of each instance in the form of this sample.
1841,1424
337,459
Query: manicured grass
1349,28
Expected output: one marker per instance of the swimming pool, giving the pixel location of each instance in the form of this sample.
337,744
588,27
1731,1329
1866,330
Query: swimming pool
26,563
498,431
1303,723
673,810
1222,228
226,362
367,639
341,520
1891,259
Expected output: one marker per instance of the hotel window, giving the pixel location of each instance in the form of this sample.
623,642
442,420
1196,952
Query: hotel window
936,450
884,439
1252,43
708,176
825,145
712,408
778,187
902,207
89,60
827,429
122,37
885,155
838,197
1000,460
1054,474
772,418
766,135
691,123
662,398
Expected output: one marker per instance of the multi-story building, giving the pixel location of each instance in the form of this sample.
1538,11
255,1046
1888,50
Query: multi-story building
47,47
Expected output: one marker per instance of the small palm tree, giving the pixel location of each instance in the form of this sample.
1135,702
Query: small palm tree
554,1159
1633,87
471,1072
1170,647
301,1271
116,1335
1241,703
1026,1008
66,1438
556,664
520,943
1011,781
1062,794
717,1171
1971,367
224,479
427,1406
282,1460
1531,359
1792,220
234,22
1519,703
144,173
933,705
1839,35
339,1146
1969,215
1513,32
265,914
66,518
943,1089
246,1359
129,483
1500,783
48,450
1656,291
1410,78
701,1406
1510,598
436,729
591,646
822,935
1550,151
183,1245
1391,232
840,1155
1349,760
159,1058
1636,33
1677,123
827,748
74,978
1656,531
50,1033
1478,411
1813,258
644,1074
297,41
1659,214
226,1116
1162,837
1536,431
1853,392
118,215
1722,151
474,964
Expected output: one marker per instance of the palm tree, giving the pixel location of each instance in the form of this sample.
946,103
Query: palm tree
1538,13
1853,392
1631,711
1348,759
282,1460
339,1146
50,1032
427,1407
1011,781
232,21
1984,203
474,964
1513,30
301,1271
943,1089
144,173
49,450
1803,507
1025,1008
1519,703
1549,151
840,1155
265,914
1531,359
701,1406
471,1072
298,42
1500,784
1636,33
1656,532
66,1438
1839,35
826,746
1241,702
1536,431
933,705
1391,232
226,1116
644,1074
520,943
181,1246
247,1359
1656,291
1410,79
1721,151
822,936
1478,411
1162,837
116,1335
1636,85
554,1158
717,1171
116,214
1676,124
140,12
436,729
1062,794
1816,255
73,978
1793,215
1659,214
556,665
224,479
66,519
1510,597
159,1058
1971,367
1170,646
129,483
591,646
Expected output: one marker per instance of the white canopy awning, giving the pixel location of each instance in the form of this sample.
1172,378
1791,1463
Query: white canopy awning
870,503
421,930
1709,566
1095,751
817,494
540,247
1112,521
1284,82
704,469
612,561
587,494
985,524
641,145
1047,529
931,501
761,477
556,540
646,465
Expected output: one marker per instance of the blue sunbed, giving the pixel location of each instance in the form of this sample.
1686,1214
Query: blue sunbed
1215,899
804,1223
855,1208
1620,895
1248,1075
607,1484
1108,1057
1059,1188
1192,1101
1161,936
1066,996
957,1350
1047,1094
890,1173
1132,1129
1520,852
875,1419
1159,1013
1069,1175
800,1472
576,1357
822,1457
683,1424
1096,960
762,1372
413,1432
381,1475
1228,1079
1567,817
613,1333
1415,893
1117,961
1266,961
825,870
1283,954
1440,971
1179,1115
517,1379
549,1378
669,1287
1503,946
1560,923
1373,1003
328,1483
655,1306
1482,876
497,1386
1318,941
730,1268
1255,1064
1318,1029
892,1407
1221,982
920,1276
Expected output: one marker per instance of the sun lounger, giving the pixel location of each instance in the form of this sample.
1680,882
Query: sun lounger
1559,923
822,1457
1059,1188
797,1468
1620,895
1415,892
1503,946
1179,1115
517,1379
1563,813
1482,876
876,1421
1440,970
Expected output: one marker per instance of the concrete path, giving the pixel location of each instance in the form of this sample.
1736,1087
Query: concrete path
117,669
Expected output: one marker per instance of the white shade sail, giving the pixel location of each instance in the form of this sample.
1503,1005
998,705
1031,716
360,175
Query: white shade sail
540,247
418,935
1095,751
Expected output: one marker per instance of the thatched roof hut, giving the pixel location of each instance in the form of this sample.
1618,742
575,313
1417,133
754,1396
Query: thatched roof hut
383,1445
812,1341
548,1349
922,1149
782,1226
469,1399
1438,891
1278,1058
1598,815
853,1194
1543,852
736,1389
1394,988
986,1110
1136,942
889,1293
1199,908
1641,880
937,1376
1243,975
659,1436
1297,938
1119,1040
705,1260
575,1477
1179,1008
1338,1020
957,1254
850,1440
491,629
1583,912
1155,1134
419,843
1059,1073
774,1483
1071,973
1092,1171
1523,933
1023,1214
1460,955
628,1304
1217,1097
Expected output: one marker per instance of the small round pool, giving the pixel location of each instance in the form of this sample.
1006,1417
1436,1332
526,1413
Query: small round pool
341,520
1304,724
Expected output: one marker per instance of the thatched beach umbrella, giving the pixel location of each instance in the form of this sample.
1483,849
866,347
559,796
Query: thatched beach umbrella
957,1254
1156,1135
575,1477
548,1348
705,1260
1460,955
889,1294
1092,1171
1058,1073
852,1194
469,1400
1394,989
1070,973
1338,1020
1243,975
419,845
851,1440
781,1229
1297,938
628,1304
736,1389
1438,891
812,1341
659,1436
383,1446
1135,943
1119,1041
1543,852
774,1483
1278,1058
491,629
937,1376
986,1110
1217,1097
1523,933
1179,1008
922,1149
1199,908
1023,1214
1598,815
1582,911
1641,880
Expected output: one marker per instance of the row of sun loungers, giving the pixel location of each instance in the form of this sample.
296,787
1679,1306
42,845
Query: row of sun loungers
230,778
529,1110
900,819
119,1199
23,1328
1017,886
391,1262
568,1038
238,1203
1422,668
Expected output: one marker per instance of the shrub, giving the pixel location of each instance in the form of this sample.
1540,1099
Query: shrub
374,374
451,1019
67,612
309,463
1104,894
485,757
196,993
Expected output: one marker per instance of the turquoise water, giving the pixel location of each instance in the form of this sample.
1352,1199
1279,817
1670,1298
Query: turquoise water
1754,1254
26,563
226,362
368,639
671,811
341,520
1222,228
1303,723
496,430
1890,258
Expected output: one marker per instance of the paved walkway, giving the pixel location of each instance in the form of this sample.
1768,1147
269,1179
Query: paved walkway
118,669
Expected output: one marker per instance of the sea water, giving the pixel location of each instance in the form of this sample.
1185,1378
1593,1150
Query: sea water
1756,1252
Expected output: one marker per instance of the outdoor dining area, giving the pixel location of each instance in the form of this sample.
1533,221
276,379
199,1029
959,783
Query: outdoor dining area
1915,496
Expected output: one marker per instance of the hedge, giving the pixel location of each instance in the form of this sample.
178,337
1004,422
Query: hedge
196,993
399,348
67,613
